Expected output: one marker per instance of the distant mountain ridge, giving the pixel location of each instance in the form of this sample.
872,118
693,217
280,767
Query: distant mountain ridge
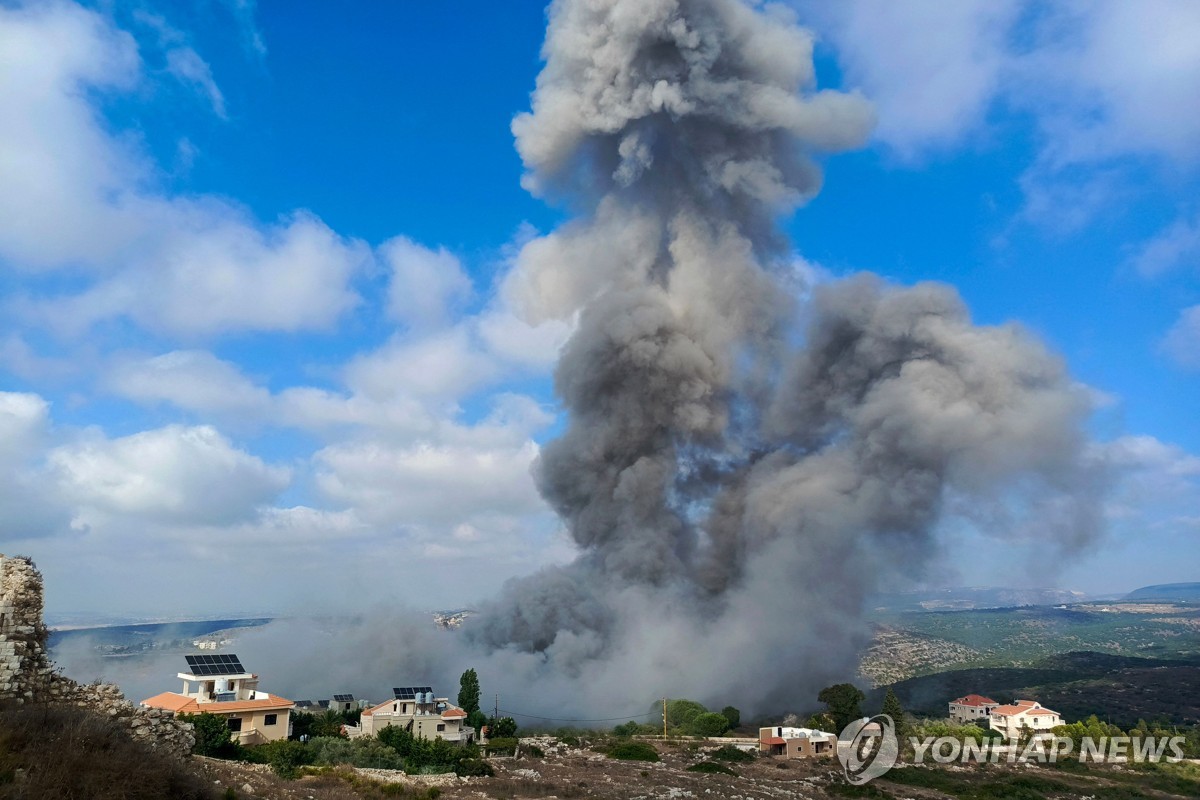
1186,592
974,597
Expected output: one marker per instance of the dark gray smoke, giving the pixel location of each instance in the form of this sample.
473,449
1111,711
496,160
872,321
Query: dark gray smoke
737,482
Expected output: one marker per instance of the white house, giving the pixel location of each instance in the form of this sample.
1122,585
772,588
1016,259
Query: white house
971,708
223,687
1024,716
417,710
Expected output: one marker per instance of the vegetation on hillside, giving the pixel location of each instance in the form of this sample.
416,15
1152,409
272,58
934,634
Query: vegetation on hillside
54,752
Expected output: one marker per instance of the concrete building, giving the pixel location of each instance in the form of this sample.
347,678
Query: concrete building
217,684
971,708
418,711
795,742
1024,716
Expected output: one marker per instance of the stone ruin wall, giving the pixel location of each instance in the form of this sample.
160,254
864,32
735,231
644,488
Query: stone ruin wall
28,676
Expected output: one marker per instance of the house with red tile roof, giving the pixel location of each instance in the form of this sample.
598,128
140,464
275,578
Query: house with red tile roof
971,708
219,685
1023,716
421,713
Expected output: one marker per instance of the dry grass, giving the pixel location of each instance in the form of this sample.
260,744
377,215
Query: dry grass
62,753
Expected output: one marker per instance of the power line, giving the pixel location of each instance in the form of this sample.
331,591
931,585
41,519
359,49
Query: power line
565,719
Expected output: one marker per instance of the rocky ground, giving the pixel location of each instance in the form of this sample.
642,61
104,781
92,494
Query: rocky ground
896,654
577,772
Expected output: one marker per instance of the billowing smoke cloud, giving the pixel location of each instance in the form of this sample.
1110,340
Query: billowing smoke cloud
736,482
739,469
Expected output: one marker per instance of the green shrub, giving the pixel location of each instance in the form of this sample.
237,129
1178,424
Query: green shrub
708,724
213,737
633,751
474,767
501,745
711,767
728,752
284,757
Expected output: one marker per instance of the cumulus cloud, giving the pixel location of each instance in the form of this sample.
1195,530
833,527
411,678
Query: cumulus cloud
427,286
1182,342
932,69
1102,79
76,196
1176,246
195,380
26,505
176,474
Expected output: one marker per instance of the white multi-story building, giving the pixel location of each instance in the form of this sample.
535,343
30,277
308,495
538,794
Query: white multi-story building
971,708
1024,716
417,710
218,684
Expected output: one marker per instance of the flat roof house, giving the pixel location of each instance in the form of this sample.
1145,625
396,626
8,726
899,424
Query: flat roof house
795,742
970,708
218,684
416,709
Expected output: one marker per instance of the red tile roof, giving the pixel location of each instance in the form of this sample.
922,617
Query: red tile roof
773,740
975,700
182,704
453,712
1022,707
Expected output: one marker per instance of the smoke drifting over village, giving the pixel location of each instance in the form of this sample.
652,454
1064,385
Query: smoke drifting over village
747,453
737,479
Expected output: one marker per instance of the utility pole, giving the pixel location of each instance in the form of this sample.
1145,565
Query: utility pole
496,712
664,718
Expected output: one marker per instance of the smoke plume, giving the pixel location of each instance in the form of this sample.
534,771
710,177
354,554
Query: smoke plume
743,462
738,482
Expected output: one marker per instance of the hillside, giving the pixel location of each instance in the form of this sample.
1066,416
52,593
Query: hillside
1118,689
1178,592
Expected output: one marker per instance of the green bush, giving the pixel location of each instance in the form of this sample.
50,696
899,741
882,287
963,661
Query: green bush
711,767
728,752
633,751
363,752
213,737
284,757
708,724
502,745
473,767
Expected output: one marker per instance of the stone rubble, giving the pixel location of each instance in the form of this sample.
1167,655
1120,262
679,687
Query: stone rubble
28,676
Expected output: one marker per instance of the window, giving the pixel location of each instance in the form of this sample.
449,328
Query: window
234,723
270,719
441,727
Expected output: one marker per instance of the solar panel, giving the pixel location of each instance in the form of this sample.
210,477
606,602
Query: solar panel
410,692
223,664
343,698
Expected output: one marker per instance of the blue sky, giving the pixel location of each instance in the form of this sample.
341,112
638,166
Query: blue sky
253,268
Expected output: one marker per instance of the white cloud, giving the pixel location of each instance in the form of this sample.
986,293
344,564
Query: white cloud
1103,79
442,367
427,286
173,475
1114,78
1176,245
195,380
432,488
931,68
187,65
26,507
1182,342
72,195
